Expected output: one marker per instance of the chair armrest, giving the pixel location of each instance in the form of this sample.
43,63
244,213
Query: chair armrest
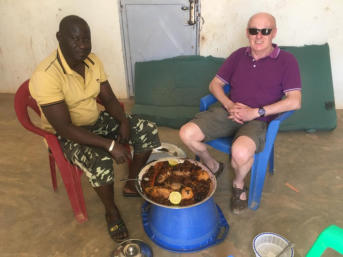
284,115
275,124
273,129
208,100
55,148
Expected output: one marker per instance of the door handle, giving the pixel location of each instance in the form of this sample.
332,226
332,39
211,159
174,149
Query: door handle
191,20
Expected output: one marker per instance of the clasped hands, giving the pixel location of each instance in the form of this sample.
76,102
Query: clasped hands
241,113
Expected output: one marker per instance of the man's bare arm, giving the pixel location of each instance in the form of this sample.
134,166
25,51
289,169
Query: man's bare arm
58,116
216,88
292,101
113,107
111,103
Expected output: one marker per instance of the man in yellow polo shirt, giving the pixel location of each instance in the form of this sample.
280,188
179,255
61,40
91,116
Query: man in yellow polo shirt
66,85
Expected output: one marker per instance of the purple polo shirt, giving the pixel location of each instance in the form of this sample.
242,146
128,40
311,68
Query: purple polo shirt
263,82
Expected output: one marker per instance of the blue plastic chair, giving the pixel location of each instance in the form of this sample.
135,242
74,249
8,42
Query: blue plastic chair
261,159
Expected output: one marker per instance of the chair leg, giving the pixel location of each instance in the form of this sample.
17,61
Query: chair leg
81,215
71,177
271,161
53,171
258,173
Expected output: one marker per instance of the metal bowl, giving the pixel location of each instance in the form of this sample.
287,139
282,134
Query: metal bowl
132,248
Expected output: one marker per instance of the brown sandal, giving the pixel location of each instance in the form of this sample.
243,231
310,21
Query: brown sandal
237,204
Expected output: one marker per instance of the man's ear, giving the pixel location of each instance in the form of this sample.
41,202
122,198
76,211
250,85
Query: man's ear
58,36
274,31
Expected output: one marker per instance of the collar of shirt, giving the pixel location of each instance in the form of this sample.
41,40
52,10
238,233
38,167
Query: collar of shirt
64,65
274,54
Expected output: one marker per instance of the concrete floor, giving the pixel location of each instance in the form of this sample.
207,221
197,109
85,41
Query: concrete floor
35,221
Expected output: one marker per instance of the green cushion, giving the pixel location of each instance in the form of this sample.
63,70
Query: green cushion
318,104
174,81
169,116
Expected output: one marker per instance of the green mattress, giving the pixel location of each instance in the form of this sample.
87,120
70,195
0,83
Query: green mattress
168,91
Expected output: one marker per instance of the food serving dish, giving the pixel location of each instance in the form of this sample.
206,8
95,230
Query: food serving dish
142,180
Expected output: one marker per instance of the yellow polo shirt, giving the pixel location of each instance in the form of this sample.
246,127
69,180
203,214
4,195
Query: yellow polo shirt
54,81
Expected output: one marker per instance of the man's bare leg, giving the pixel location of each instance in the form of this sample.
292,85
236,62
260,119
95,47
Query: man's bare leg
243,150
112,215
192,137
137,163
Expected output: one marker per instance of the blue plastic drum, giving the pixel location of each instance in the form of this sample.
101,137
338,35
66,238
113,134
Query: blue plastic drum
185,229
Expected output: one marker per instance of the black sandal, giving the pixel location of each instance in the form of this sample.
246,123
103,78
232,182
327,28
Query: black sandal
219,170
117,230
237,204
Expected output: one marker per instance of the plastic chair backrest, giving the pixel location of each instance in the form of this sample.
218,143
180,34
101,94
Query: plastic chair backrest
22,101
330,237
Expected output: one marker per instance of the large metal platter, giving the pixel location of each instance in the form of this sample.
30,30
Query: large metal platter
179,160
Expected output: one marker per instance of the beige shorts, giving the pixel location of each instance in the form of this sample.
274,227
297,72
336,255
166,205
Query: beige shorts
214,123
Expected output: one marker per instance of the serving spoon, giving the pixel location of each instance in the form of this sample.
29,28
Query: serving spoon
135,179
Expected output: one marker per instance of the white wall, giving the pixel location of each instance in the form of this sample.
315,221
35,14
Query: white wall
28,30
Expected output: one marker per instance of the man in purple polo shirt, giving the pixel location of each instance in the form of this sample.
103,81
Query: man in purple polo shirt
265,81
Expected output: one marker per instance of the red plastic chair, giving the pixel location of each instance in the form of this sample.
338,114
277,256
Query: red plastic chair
71,174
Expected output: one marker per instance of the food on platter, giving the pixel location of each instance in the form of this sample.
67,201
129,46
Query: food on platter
176,183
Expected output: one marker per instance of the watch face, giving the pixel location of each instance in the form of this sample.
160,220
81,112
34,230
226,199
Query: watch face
261,112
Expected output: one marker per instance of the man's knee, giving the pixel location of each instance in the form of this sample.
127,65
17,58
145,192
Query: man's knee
239,156
243,149
141,126
144,134
190,132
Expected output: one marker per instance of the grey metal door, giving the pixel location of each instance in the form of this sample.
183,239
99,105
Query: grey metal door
157,29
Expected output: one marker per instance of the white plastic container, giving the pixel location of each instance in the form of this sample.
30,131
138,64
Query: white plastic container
269,244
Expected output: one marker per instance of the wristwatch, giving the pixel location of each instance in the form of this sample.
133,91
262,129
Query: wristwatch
261,111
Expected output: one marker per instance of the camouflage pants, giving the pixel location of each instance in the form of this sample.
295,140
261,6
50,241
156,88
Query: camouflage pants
97,163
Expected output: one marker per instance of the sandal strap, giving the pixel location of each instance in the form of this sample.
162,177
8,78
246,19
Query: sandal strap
236,192
238,205
118,227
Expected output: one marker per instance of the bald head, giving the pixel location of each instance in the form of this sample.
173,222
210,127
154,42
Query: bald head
70,21
262,17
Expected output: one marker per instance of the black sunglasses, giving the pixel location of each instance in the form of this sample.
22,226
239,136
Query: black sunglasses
264,32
